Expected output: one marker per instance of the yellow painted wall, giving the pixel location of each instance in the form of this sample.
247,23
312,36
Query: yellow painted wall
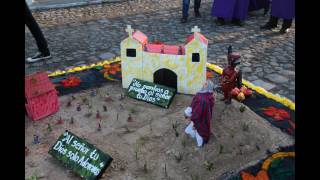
191,75
131,67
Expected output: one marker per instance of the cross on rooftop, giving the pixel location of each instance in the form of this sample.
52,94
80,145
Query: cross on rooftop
195,29
129,30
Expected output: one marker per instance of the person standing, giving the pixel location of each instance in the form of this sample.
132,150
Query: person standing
200,114
35,30
185,9
234,10
284,9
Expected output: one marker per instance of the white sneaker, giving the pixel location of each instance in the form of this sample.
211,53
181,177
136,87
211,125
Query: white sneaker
39,56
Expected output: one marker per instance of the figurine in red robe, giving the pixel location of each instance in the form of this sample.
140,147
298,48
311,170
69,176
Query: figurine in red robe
231,77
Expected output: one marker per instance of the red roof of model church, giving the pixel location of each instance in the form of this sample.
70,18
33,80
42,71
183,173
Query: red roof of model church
37,84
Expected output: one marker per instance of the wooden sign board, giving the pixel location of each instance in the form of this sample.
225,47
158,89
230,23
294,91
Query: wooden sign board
150,92
83,158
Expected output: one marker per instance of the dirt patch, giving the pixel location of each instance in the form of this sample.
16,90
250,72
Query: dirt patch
147,147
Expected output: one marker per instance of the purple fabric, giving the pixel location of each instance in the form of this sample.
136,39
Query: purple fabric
230,9
283,9
202,106
255,5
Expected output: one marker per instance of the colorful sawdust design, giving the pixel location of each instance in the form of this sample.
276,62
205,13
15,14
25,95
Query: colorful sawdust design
277,166
273,111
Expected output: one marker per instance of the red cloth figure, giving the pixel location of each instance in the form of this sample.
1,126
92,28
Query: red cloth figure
202,106
230,76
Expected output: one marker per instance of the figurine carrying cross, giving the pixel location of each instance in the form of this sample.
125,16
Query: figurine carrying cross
129,30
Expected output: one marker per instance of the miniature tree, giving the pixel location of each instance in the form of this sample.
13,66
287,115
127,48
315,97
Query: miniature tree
69,104
72,120
49,128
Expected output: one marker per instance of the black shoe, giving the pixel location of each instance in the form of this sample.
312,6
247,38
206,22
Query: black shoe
237,22
268,26
284,30
220,21
184,20
39,56
197,14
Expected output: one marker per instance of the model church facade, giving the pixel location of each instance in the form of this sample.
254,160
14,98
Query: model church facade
181,67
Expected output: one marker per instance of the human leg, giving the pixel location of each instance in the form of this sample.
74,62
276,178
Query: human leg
189,130
272,23
185,9
197,4
199,140
38,35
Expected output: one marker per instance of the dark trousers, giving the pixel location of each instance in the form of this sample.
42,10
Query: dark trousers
185,6
35,31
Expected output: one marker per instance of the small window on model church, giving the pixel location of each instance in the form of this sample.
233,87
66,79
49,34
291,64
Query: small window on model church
195,57
131,52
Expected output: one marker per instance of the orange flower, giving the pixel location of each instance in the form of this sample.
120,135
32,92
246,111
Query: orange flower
112,68
262,175
209,74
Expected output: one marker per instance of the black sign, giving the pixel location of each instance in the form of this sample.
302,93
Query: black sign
150,92
83,158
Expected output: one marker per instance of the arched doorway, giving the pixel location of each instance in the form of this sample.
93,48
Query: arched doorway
165,77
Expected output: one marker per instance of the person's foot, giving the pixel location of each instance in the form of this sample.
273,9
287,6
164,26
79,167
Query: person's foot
284,30
197,14
39,56
267,26
237,22
220,21
184,20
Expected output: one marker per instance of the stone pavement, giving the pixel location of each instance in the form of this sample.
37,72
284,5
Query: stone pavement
49,4
91,33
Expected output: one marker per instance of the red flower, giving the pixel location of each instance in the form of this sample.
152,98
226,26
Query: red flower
277,114
71,81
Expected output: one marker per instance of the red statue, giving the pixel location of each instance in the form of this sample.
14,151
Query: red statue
231,77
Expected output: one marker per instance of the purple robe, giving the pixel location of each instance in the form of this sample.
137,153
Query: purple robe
230,9
283,9
202,106
255,5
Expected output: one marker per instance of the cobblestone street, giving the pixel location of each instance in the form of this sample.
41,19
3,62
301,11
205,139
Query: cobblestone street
88,34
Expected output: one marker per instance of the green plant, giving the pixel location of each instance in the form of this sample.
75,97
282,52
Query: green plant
242,108
220,149
245,127
145,167
183,142
194,177
165,170
136,150
178,157
133,110
232,133
208,165
175,126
